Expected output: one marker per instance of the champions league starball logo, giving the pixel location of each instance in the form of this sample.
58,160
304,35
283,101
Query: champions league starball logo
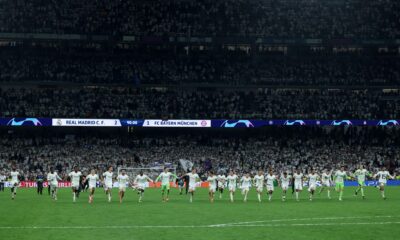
24,122
388,123
294,122
341,123
238,123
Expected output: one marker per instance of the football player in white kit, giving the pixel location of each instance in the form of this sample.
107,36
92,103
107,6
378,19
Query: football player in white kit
298,183
14,174
245,184
258,181
194,179
141,181
221,184
212,181
360,175
92,179
123,180
383,175
326,182
75,182
270,184
312,183
52,180
285,179
108,182
232,179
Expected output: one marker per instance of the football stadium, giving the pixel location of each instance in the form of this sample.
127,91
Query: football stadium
200,119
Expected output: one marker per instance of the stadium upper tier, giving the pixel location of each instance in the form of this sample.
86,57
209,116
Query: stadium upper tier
84,66
109,102
269,18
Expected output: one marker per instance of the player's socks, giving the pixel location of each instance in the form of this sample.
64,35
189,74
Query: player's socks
329,194
109,197
74,197
259,197
231,196
362,192
340,195
297,196
383,194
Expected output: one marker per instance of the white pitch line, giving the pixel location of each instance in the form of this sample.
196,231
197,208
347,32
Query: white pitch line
301,219
312,224
205,226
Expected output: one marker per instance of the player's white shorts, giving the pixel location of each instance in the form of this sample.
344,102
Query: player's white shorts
92,186
382,183
298,185
285,186
221,185
14,184
53,185
108,186
259,188
232,188
245,188
122,188
270,188
312,187
75,185
326,183
192,186
141,186
212,188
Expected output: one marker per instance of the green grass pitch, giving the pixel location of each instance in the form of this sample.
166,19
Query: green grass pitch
38,217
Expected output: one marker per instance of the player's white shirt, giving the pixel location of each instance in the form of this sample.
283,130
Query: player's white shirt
53,179
212,180
270,182
326,179
340,176
285,180
383,176
259,180
122,181
232,182
92,178
75,178
298,181
298,178
142,181
193,177
246,182
312,179
14,177
2,178
108,178
221,181
165,177
270,179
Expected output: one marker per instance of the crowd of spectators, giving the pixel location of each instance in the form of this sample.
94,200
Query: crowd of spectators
211,69
277,148
143,103
269,18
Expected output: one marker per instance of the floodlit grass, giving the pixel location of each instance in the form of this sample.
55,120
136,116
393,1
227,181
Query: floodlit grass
38,217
